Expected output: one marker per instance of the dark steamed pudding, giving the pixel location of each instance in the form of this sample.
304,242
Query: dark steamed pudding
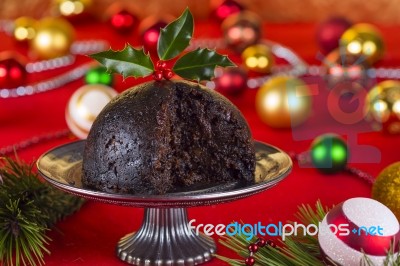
167,136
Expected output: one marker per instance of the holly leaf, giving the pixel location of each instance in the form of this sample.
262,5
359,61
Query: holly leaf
128,62
200,64
175,37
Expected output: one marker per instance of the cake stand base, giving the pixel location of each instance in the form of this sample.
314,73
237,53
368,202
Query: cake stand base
165,239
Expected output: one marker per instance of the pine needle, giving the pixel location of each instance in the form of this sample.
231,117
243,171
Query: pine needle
28,208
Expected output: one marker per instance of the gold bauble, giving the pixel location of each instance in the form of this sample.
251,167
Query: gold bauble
84,106
283,102
72,7
383,105
386,188
364,41
258,58
54,37
341,66
24,28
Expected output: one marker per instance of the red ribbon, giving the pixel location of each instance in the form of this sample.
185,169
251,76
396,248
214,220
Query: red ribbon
376,245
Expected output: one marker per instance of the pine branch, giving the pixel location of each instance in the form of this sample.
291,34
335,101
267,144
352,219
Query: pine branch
28,208
307,215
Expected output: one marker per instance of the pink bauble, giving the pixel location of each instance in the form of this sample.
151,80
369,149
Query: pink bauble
329,33
150,31
371,228
227,8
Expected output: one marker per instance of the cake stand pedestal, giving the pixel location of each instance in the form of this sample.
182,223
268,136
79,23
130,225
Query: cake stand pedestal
164,237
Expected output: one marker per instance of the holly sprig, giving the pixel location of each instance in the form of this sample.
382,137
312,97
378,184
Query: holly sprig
195,65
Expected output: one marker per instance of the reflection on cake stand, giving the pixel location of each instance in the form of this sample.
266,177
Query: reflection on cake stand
164,237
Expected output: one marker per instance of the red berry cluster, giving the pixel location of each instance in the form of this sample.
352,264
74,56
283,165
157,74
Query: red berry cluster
162,71
253,248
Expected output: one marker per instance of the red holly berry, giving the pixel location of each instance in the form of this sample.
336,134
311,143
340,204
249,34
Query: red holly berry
167,73
261,242
271,243
161,65
157,75
253,248
250,261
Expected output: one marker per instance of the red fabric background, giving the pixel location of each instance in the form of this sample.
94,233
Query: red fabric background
89,237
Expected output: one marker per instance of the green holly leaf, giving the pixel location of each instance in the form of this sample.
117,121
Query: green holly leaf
175,37
200,64
128,62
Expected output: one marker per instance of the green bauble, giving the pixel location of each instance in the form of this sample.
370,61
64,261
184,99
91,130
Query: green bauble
329,153
98,75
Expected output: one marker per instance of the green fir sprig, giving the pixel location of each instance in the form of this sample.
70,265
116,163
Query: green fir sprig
195,65
28,209
296,250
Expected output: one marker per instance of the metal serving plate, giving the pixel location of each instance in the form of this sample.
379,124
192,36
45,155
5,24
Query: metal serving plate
62,167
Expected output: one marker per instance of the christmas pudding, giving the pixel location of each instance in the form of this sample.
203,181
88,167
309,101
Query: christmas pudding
167,136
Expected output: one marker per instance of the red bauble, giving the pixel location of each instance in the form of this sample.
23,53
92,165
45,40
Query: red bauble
150,35
356,228
12,72
329,33
241,30
233,81
227,8
123,21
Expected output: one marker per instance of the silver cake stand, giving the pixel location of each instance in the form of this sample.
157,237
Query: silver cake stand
164,237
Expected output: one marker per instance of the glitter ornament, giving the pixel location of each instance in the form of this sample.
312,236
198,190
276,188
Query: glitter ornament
386,188
364,41
24,29
329,153
12,71
358,227
227,8
329,33
258,58
283,102
382,106
241,30
84,106
53,38
98,75
233,81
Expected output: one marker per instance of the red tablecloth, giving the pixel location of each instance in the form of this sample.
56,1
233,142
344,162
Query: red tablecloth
89,236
